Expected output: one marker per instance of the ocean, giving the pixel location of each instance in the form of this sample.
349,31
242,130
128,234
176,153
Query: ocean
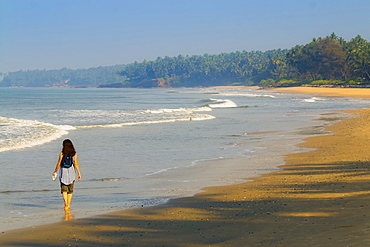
142,147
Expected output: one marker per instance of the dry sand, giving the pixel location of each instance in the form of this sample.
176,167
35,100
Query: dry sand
328,91
320,198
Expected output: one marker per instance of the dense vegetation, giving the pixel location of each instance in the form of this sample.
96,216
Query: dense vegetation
92,77
330,60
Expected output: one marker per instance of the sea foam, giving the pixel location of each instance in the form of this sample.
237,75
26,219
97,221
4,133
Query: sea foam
20,133
221,103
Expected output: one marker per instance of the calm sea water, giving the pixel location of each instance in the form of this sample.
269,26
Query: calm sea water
140,147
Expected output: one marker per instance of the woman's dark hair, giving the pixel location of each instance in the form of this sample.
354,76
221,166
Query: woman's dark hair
68,148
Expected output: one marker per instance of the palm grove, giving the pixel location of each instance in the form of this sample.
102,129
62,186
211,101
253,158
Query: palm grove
323,61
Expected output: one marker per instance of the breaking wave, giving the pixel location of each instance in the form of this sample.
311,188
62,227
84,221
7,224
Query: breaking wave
19,133
219,103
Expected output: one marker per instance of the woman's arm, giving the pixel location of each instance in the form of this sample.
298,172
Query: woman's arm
77,167
58,163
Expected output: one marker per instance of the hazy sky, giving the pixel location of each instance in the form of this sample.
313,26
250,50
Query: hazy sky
52,34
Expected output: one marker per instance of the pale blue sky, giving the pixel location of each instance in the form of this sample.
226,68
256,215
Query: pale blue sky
52,34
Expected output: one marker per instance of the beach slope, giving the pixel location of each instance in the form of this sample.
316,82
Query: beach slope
319,198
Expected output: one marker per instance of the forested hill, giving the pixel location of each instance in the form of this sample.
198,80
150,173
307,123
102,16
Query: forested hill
92,77
329,60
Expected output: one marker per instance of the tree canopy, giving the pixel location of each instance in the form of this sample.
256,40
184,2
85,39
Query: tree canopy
328,60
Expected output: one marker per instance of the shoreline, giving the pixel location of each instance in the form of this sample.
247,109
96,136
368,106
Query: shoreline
326,91
307,201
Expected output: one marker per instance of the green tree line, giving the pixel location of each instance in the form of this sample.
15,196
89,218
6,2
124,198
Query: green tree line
207,70
328,60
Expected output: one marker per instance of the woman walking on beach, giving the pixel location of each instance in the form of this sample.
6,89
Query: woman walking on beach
68,165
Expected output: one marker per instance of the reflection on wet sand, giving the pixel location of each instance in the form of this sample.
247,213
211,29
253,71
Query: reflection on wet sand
68,215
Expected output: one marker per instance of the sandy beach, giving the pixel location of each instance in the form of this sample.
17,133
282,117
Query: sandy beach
328,91
319,198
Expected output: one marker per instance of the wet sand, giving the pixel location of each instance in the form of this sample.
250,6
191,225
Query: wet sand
319,198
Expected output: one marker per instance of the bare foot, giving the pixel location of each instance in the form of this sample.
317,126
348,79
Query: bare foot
68,215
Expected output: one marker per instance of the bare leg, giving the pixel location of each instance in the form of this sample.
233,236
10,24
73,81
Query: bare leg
69,200
65,199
